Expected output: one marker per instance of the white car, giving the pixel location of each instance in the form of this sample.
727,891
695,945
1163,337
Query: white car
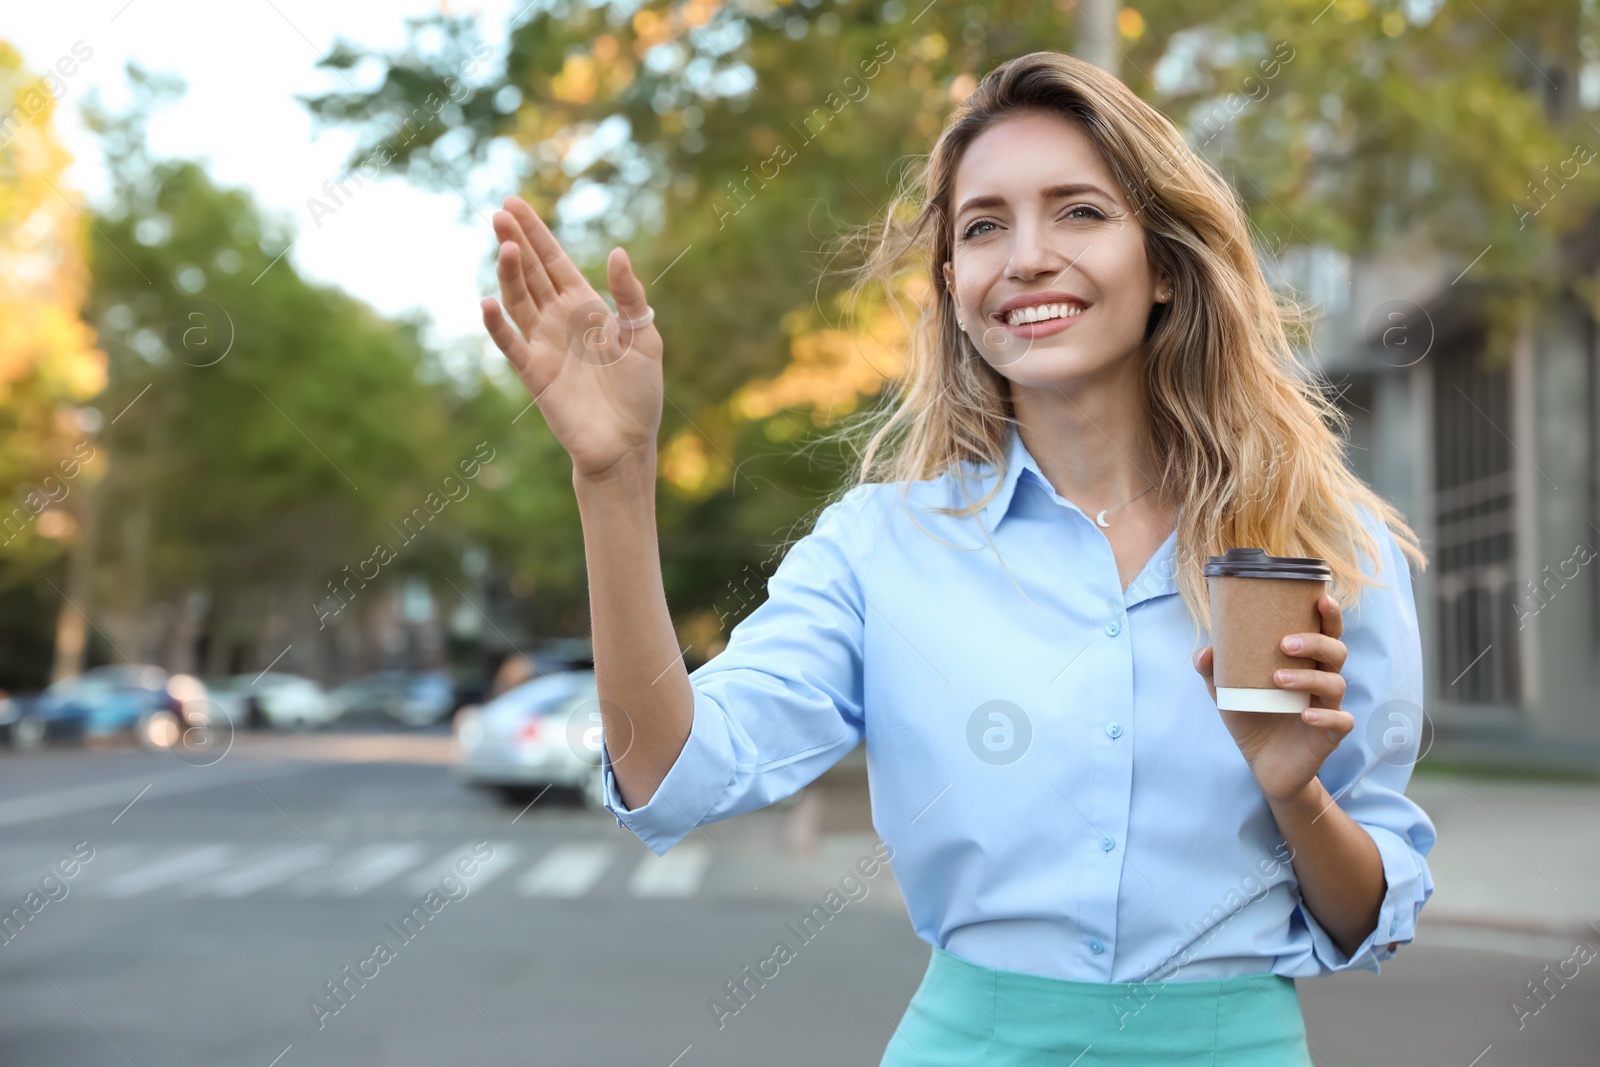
287,700
544,732
228,700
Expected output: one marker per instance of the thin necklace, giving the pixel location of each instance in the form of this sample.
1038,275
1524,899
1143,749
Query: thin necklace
1100,519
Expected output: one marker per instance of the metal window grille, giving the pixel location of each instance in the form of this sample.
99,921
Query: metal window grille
1473,509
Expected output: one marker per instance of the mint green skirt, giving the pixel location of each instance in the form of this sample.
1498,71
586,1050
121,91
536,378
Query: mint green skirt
965,1014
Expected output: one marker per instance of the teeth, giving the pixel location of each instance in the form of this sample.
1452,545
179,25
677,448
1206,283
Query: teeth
1041,312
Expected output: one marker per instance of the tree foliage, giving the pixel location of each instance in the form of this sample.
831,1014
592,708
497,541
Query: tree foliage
49,364
48,358
728,143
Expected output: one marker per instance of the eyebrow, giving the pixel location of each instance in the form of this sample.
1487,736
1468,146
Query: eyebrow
1053,192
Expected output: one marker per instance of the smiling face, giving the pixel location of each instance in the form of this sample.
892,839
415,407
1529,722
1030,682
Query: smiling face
1039,222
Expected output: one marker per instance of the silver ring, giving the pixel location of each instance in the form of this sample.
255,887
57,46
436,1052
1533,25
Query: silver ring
634,324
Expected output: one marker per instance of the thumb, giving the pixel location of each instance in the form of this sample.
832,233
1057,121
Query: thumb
626,289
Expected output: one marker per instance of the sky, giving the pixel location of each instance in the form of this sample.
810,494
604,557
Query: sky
392,244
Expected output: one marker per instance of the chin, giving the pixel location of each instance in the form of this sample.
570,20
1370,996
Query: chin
1042,365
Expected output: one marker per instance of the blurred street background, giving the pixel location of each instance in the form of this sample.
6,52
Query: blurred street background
292,599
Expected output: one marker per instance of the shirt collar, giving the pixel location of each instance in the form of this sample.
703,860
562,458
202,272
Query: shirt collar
1158,577
1018,460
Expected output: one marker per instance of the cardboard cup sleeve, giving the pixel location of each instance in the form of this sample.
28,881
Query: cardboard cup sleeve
1252,610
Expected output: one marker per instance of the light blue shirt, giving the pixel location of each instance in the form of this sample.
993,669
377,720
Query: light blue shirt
1059,792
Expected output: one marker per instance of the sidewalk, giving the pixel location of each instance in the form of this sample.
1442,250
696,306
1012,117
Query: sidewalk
1513,855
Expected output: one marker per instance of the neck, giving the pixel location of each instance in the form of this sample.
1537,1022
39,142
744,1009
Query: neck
1091,438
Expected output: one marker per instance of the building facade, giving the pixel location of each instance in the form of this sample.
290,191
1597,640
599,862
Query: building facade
1487,442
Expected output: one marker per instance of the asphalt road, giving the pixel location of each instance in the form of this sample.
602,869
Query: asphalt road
221,901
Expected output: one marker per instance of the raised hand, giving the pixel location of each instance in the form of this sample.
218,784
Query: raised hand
597,381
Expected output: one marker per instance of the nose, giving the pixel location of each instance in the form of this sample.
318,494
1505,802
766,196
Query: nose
1033,253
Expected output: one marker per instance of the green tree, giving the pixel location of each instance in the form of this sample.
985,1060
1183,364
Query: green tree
49,365
727,144
263,431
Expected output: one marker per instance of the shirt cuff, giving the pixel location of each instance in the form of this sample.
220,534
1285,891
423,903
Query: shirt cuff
698,778
1409,886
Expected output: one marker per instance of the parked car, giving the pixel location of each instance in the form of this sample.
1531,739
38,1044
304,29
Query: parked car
230,703
419,699
430,697
16,710
117,699
541,733
369,695
285,700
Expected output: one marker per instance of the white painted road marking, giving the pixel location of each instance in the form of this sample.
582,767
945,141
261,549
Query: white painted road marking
676,874
568,871
278,866
369,867
189,863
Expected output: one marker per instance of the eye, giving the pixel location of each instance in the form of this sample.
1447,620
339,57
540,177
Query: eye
1089,212
967,234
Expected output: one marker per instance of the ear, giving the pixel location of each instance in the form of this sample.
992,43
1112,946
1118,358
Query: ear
949,277
1163,289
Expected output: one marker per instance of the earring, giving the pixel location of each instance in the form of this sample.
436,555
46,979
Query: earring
960,325
1167,295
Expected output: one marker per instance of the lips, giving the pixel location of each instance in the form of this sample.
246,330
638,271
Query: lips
1043,328
1052,296
1033,313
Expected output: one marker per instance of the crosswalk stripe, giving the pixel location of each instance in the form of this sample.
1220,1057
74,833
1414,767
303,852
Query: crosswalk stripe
368,868
227,871
427,876
190,863
504,856
676,874
279,866
111,860
567,871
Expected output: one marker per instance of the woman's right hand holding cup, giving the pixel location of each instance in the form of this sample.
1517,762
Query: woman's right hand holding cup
597,381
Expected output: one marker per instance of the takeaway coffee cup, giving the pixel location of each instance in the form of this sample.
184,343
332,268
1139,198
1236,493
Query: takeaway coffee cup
1256,601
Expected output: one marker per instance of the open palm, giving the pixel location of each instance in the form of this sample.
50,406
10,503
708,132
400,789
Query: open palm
596,380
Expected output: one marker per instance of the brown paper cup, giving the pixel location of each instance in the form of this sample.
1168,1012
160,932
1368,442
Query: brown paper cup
1256,601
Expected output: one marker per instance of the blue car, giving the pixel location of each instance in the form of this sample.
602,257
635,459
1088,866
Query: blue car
112,700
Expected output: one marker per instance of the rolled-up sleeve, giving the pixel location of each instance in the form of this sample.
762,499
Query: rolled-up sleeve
781,703
1367,774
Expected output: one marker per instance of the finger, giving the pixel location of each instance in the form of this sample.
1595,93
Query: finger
1335,720
1324,685
538,284
504,335
1203,661
547,250
628,292
1332,616
1329,651
519,303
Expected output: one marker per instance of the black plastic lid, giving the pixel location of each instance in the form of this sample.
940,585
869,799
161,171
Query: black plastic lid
1255,563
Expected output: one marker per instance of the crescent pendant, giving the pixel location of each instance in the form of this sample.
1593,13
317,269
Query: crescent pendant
1101,520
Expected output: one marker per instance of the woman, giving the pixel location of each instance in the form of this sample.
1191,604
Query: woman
1106,866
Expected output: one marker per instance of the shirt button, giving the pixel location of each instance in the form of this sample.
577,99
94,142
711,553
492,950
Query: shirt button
1107,844
1114,729
1113,627
1097,946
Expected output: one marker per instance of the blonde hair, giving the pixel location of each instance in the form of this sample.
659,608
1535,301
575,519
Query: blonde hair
1251,448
